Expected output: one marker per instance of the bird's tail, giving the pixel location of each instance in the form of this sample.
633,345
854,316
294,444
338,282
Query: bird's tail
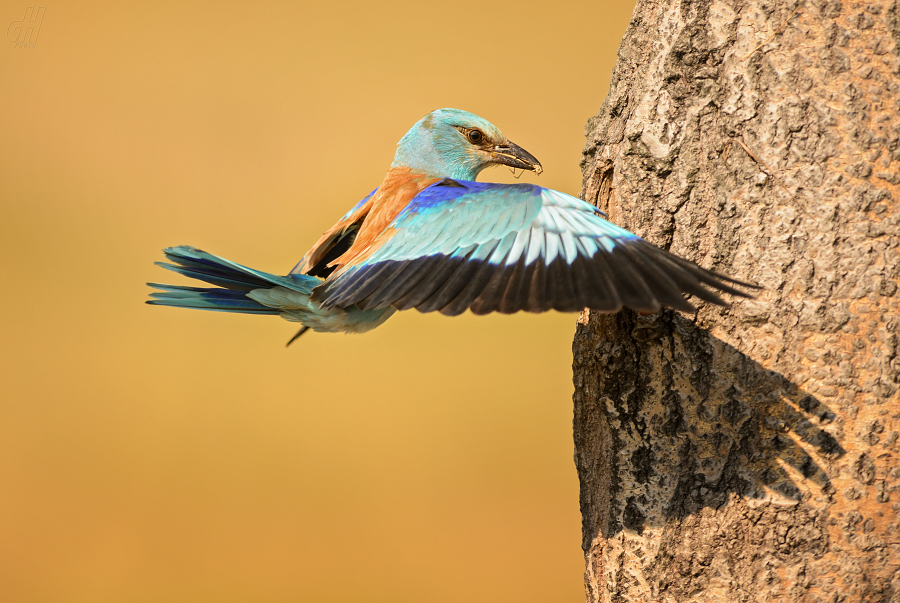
234,282
248,291
200,298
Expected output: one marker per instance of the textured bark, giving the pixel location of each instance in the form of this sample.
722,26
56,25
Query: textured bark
749,453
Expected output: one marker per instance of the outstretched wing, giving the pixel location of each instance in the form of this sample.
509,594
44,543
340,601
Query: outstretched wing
510,247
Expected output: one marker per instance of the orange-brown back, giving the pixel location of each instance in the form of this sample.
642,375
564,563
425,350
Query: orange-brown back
400,186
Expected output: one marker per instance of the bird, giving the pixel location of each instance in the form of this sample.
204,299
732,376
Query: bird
432,237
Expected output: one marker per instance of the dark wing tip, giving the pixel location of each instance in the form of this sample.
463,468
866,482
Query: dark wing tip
692,276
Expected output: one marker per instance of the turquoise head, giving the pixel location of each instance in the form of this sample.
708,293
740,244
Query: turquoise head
450,143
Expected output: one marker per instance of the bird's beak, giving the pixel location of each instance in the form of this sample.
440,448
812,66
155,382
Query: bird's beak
515,156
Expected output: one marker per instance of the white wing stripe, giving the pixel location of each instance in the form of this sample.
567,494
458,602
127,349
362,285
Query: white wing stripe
502,249
463,251
482,251
568,242
589,245
608,243
535,247
519,246
550,220
552,247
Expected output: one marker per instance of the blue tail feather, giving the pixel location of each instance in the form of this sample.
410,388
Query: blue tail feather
199,268
234,282
191,258
174,288
221,300
287,296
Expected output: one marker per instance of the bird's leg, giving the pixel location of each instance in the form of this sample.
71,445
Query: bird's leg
299,333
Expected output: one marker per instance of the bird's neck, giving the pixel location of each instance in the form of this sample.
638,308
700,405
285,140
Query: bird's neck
424,155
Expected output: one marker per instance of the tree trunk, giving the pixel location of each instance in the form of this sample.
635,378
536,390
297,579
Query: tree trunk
749,453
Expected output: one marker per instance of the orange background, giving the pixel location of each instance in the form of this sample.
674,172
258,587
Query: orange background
153,454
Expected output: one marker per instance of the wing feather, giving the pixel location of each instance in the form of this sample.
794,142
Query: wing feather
402,280
480,279
463,274
506,248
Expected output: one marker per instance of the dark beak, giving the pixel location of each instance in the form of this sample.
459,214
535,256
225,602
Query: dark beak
515,156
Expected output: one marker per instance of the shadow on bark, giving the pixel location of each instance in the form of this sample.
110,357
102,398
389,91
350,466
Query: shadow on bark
661,435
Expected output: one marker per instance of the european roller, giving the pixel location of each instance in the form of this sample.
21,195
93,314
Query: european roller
432,238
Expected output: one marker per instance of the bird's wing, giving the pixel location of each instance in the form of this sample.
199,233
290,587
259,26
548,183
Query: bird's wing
511,247
334,242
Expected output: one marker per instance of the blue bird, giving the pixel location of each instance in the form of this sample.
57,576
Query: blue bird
432,238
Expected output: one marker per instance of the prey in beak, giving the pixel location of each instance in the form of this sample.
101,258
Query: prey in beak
514,156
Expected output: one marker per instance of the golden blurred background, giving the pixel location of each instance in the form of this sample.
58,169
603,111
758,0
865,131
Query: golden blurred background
153,454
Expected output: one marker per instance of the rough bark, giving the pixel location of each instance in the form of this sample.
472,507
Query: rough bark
749,453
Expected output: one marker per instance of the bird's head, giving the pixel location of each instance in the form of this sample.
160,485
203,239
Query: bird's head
450,143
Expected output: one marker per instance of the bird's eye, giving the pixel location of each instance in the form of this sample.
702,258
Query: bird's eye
475,136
